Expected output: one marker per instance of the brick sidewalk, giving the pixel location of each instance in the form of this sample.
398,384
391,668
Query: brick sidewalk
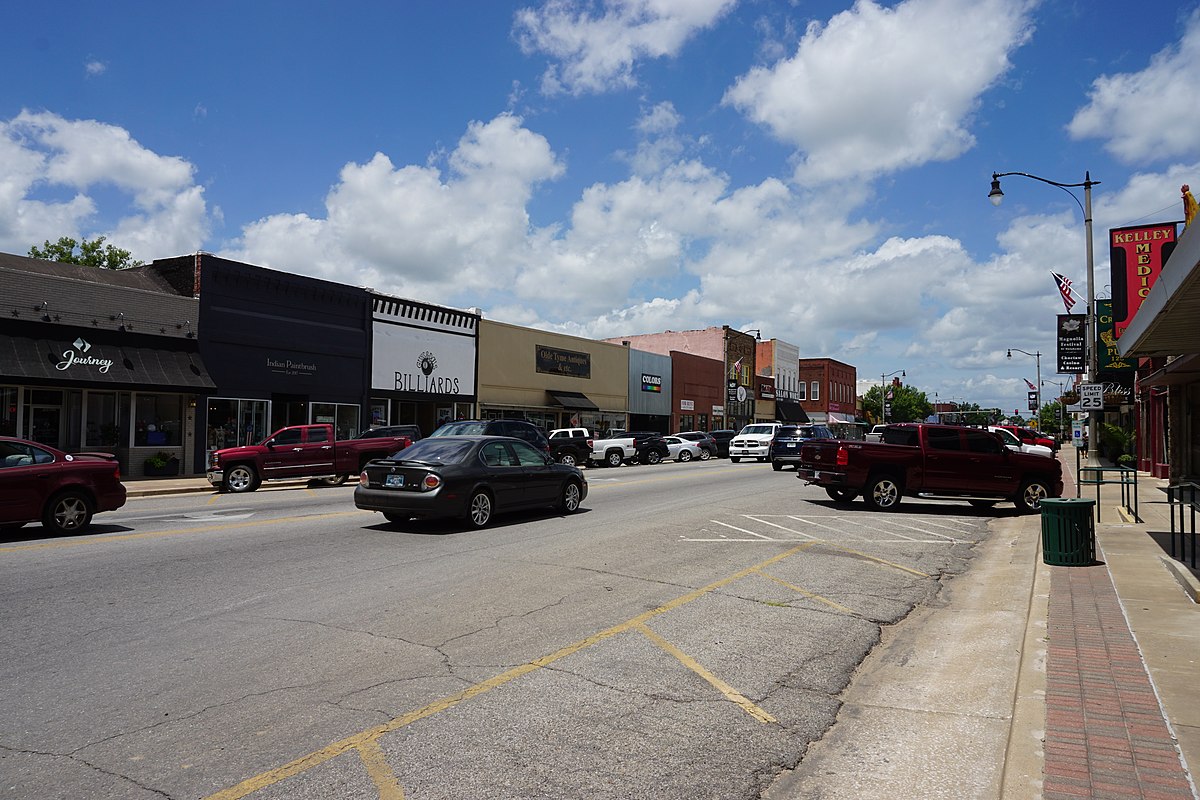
1105,732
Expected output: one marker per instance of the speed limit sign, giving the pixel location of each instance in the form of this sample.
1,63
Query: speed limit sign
1091,397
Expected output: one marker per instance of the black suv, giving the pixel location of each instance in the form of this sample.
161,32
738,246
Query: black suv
496,427
648,447
722,437
385,431
785,447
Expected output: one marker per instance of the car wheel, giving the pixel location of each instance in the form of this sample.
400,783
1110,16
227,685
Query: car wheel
1029,499
882,493
479,509
761,460
392,516
69,512
840,495
705,455
571,496
241,478
614,458
567,458
653,457
335,481
777,465
684,455
734,459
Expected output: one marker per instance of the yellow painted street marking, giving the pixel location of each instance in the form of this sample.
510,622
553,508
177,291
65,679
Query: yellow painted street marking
271,777
733,695
380,770
877,560
128,537
809,594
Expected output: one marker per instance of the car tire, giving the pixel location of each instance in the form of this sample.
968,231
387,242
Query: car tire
684,455
1029,498
241,478
882,493
653,457
67,513
735,459
395,517
840,495
704,454
777,466
336,480
568,459
479,509
614,458
571,497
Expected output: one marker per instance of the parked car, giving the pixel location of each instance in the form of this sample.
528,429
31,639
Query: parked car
753,441
876,433
61,490
708,445
571,446
1013,443
785,447
413,432
683,449
472,477
517,428
1030,436
631,447
722,436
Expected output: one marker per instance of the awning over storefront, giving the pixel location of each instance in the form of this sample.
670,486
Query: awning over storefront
835,417
1180,371
572,400
80,361
1166,323
790,411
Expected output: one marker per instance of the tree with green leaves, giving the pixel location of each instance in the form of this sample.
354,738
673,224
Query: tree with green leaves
907,404
91,253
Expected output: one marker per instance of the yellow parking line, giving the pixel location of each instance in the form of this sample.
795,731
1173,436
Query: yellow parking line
883,561
292,768
733,695
380,770
128,537
809,594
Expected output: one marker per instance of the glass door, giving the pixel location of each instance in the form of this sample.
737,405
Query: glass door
44,425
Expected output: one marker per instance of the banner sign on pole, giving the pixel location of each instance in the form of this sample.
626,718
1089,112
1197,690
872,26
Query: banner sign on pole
1070,343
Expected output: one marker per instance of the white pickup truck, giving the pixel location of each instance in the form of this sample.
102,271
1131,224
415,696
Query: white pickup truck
631,447
754,441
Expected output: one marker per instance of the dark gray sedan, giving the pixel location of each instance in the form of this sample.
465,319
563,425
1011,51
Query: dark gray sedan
471,477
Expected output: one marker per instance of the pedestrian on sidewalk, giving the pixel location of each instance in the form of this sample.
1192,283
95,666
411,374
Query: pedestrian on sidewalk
1085,443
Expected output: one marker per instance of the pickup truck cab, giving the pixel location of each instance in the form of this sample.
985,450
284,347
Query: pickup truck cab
631,447
944,461
753,441
298,451
571,446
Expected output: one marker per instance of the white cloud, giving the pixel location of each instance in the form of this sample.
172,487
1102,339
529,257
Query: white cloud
598,52
878,89
1149,115
51,166
94,68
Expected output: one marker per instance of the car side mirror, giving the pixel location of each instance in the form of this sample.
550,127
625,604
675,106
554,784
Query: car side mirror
270,444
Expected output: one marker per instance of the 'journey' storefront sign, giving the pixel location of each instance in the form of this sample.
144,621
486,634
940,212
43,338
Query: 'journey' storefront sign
77,355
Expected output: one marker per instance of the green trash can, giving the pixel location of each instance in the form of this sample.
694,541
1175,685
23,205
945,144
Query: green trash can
1068,532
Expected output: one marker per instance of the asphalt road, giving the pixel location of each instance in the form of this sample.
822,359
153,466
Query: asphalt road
685,635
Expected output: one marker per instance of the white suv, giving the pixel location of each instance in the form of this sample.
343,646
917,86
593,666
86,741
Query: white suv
754,441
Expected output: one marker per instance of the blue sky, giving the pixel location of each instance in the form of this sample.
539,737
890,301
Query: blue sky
816,170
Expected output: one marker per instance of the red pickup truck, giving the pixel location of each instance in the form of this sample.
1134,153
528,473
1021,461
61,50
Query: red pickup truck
298,451
946,461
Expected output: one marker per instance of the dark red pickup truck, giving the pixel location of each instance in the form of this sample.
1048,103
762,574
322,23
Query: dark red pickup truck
298,451
944,461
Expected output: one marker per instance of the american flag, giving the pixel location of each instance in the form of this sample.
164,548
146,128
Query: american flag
1032,388
1064,288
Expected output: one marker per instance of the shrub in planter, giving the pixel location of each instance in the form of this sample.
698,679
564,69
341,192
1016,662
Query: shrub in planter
161,463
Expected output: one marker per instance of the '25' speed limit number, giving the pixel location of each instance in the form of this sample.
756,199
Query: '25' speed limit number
1091,397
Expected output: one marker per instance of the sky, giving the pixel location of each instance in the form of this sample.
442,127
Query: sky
814,170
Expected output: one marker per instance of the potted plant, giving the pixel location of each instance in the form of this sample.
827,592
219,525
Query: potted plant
161,464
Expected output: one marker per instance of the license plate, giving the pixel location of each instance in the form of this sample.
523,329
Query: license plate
393,481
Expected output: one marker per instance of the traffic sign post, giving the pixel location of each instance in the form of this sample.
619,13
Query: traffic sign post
1091,397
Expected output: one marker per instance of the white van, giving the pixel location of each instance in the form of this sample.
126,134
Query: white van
753,441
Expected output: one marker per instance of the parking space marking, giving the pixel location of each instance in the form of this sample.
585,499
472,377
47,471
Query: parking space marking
781,527
353,742
380,770
809,595
740,530
733,695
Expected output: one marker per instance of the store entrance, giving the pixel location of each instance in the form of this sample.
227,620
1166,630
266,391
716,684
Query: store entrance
43,424
288,409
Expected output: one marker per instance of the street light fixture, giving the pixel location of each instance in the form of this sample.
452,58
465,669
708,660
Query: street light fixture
883,392
996,196
1038,356
1061,390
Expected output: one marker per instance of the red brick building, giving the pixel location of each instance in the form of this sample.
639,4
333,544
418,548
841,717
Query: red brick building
828,390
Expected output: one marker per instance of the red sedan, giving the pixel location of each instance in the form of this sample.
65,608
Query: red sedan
62,490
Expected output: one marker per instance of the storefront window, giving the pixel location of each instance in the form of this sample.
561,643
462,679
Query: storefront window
8,410
107,419
235,422
687,422
158,420
379,413
343,418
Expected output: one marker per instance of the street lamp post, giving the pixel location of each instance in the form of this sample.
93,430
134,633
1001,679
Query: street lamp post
1061,388
883,392
996,196
1038,357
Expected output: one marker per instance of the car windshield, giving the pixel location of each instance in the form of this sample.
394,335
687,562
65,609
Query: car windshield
1007,436
434,451
758,429
461,429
